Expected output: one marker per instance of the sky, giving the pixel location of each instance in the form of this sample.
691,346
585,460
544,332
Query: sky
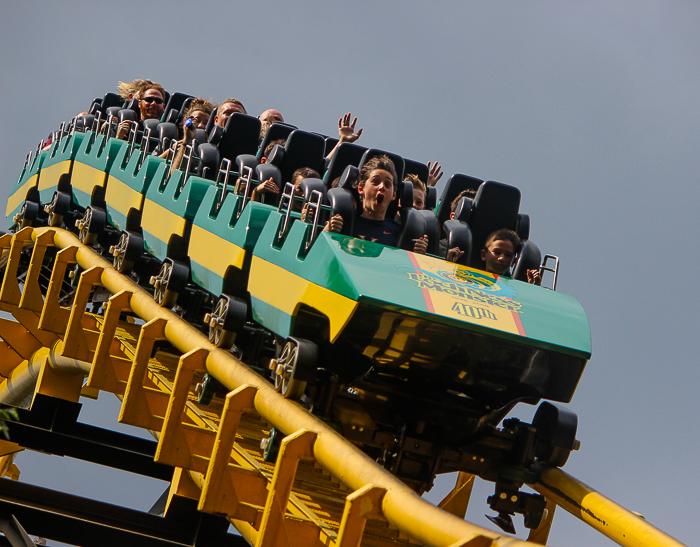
591,109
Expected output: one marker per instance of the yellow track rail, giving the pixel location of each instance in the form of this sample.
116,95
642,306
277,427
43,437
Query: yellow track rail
322,490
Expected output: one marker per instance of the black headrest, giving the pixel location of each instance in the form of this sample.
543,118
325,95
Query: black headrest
454,186
113,111
522,228
413,167
413,228
311,184
530,258
264,171
172,116
395,158
430,198
303,149
126,114
349,177
459,235
210,123
177,101
215,134
240,136
167,132
133,104
464,210
151,124
342,203
404,193
200,136
275,132
346,154
209,160
109,100
246,160
432,230
276,155
84,122
95,107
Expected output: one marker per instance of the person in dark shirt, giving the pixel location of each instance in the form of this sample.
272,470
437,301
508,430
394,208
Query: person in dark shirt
376,189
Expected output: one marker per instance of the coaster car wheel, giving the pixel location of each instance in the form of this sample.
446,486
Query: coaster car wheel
126,252
295,367
556,433
226,320
27,215
91,225
59,206
169,283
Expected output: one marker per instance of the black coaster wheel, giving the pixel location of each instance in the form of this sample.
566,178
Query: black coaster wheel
28,215
295,367
59,206
556,433
126,252
91,225
169,283
226,320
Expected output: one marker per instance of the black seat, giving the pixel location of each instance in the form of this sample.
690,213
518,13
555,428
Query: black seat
455,185
432,230
275,132
176,102
413,167
398,160
240,136
346,154
303,149
530,258
109,100
495,206
167,133
457,230
413,228
330,144
430,198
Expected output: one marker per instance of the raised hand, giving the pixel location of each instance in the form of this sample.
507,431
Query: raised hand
435,173
346,129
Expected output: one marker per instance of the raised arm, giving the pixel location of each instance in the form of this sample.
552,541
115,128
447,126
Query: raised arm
346,132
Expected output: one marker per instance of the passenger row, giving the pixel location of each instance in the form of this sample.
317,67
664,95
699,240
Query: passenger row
359,186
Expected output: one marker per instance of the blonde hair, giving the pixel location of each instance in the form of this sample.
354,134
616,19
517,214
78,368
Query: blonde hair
415,180
198,104
136,88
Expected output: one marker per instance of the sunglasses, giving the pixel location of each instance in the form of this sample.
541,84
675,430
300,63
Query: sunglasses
150,100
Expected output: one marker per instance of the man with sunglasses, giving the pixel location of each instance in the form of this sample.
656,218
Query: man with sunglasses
151,106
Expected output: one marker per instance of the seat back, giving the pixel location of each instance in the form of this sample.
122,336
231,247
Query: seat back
495,206
413,228
275,132
240,136
413,167
430,198
176,102
432,230
346,154
456,184
530,259
109,100
303,149
399,164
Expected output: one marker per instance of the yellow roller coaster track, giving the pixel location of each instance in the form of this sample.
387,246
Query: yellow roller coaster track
322,489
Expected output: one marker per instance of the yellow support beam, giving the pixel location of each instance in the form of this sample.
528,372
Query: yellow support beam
609,518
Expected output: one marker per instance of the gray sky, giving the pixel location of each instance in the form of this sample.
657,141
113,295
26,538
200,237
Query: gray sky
590,109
